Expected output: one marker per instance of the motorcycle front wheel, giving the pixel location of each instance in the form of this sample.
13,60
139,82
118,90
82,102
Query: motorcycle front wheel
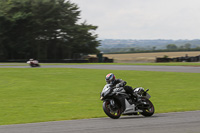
113,113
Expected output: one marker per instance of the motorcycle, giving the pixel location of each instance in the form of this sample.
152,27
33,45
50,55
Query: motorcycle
33,63
117,102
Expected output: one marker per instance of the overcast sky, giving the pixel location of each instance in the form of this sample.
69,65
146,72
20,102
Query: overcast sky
142,19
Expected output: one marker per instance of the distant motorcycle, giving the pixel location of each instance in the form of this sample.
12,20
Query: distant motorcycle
117,102
33,63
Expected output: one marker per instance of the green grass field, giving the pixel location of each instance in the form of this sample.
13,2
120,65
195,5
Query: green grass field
49,94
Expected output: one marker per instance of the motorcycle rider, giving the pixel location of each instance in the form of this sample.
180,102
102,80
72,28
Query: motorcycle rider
33,62
110,79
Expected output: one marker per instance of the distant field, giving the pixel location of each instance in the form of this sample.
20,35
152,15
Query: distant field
52,94
147,57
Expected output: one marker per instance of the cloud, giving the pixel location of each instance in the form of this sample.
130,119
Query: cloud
143,19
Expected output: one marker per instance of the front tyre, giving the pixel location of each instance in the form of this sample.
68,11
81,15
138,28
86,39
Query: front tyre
149,111
112,112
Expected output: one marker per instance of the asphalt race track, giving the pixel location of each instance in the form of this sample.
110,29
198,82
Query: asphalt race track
188,69
181,122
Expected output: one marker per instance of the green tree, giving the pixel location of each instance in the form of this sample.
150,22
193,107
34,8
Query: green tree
171,47
187,46
44,29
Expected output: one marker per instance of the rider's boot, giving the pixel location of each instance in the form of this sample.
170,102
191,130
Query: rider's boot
138,101
133,98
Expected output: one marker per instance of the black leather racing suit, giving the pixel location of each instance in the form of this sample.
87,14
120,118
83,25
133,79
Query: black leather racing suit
128,89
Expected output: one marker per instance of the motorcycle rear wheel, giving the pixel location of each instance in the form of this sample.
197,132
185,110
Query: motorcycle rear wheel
150,110
114,114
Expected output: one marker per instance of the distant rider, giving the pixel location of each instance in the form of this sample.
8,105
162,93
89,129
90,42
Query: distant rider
33,62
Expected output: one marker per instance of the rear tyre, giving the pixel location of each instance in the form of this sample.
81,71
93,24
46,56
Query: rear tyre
149,111
113,113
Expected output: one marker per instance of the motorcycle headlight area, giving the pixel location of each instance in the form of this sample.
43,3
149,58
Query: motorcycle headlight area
106,92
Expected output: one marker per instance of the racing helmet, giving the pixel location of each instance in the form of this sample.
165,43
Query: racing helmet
110,78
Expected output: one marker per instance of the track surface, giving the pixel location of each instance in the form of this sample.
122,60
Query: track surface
188,69
181,122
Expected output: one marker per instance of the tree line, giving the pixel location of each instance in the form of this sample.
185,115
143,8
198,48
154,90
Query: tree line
44,29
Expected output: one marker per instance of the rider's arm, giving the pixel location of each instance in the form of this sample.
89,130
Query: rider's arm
120,83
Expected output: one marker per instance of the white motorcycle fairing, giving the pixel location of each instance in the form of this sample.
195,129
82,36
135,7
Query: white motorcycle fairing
130,108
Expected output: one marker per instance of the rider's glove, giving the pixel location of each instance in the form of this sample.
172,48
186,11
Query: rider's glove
124,83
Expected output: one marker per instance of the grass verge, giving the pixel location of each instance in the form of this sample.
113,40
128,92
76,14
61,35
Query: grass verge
50,94
197,64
